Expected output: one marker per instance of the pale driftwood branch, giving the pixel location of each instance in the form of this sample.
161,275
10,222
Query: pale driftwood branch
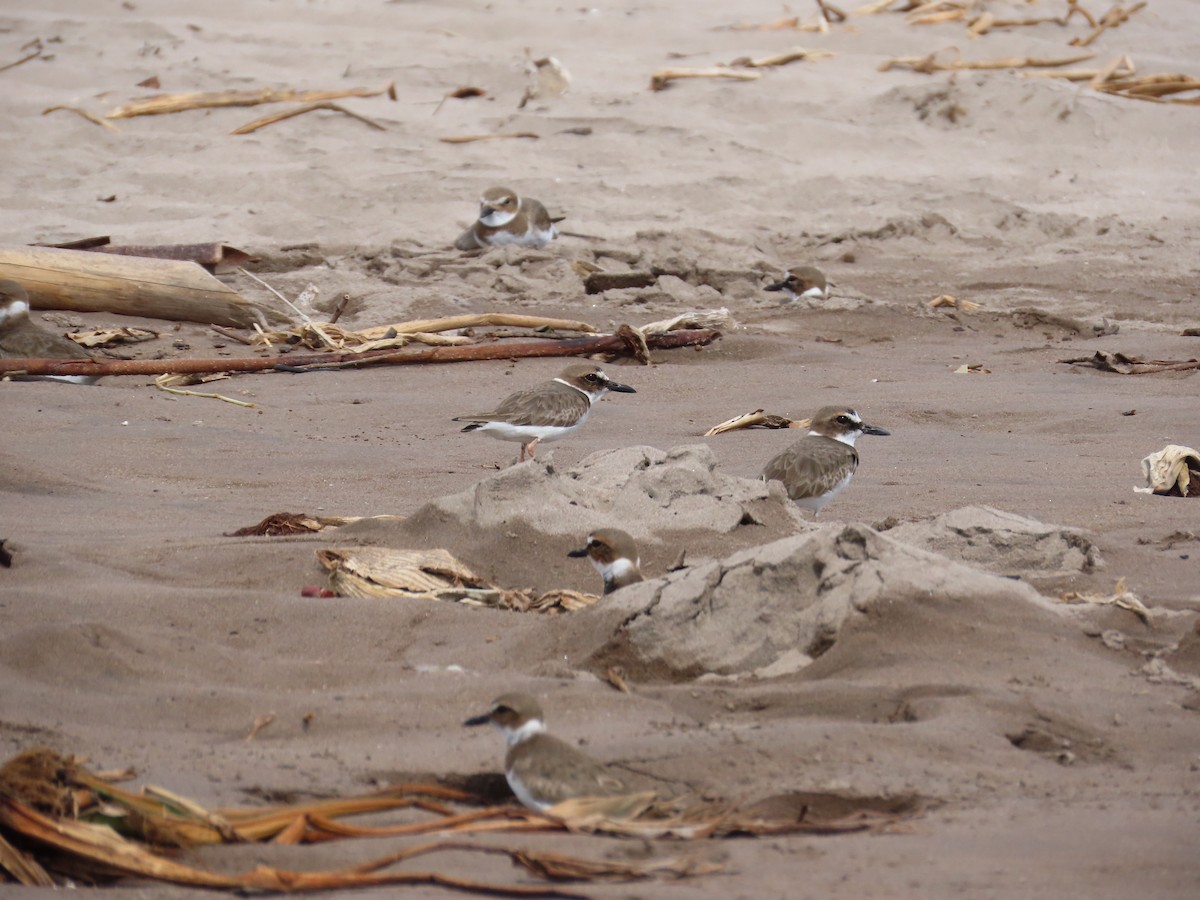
83,281
603,343
301,110
1115,17
172,103
780,59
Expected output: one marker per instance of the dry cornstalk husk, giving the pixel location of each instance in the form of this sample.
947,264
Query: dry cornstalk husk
929,64
585,346
91,117
780,59
706,318
1121,597
381,572
128,285
327,336
301,110
1173,471
1119,67
1114,18
661,79
757,419
472,138
172,103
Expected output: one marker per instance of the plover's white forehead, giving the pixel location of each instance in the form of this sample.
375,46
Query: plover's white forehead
499,198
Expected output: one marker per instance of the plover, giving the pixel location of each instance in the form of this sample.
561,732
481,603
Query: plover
817,467
21,338
614,554
805,281
541,769
548,411
507,218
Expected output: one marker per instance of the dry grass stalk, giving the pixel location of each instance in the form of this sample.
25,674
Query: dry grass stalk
757,419
301,110
472,138
661,79
173,103
300,523
327,336
167,383
780,59
789,23
1114,18
873,9
260,722
930,64
91,117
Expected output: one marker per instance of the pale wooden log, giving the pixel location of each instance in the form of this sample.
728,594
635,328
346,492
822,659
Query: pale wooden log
83,281
452,323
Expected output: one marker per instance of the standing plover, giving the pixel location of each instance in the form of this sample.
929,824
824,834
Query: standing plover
21,338
615,556
548,411
507,218
541,769
818,466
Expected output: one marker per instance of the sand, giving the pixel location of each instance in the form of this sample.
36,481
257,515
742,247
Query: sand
1054,749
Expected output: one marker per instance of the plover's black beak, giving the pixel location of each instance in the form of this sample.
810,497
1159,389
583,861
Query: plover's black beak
874,429
777,286
485,719
618,387
485,211
575,554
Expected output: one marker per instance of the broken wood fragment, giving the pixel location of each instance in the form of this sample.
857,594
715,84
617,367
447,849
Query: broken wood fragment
214,256
780,59
173,103
757,419
301,110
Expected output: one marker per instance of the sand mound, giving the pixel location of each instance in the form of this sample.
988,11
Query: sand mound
777,608
1004,543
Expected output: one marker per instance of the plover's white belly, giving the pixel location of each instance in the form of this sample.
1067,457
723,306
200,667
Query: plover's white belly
506,431
530,237
815,503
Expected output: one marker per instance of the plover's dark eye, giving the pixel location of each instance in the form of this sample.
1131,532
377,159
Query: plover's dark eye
592,377
845,420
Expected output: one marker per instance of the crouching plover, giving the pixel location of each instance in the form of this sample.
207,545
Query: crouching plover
507,218
20,338
548,411
614,554
818,466
541,769
806,281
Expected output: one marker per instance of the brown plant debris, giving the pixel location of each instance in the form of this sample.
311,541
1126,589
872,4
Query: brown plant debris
757,419
1173,471
661,79
301,110
599,281
283,523
173,103
1121,364
104,337
214,256
79,825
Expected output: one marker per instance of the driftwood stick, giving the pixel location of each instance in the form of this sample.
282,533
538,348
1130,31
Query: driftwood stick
451,323
301,110
172,103
603,343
